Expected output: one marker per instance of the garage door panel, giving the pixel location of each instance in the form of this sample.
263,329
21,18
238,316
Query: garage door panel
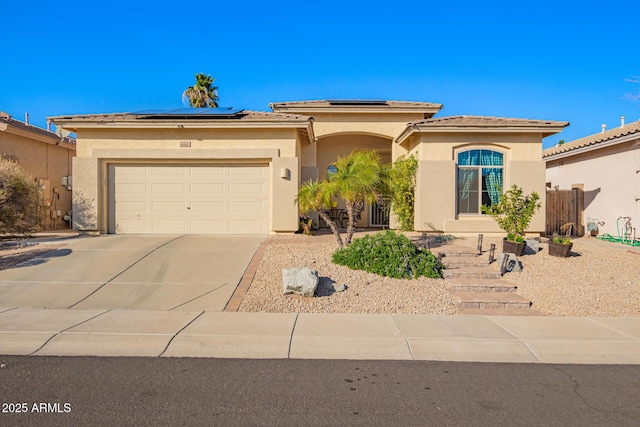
123,170
138,188
207,188
206,207
167,188
189,199
168,207
131,226
244,207
245,171
248,188
133,206
168,171
207,171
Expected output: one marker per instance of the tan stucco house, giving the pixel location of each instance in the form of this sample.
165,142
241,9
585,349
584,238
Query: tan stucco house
45,156
606,167
224,171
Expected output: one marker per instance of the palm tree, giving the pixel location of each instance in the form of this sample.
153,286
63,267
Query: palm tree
316,196
203,94
357,180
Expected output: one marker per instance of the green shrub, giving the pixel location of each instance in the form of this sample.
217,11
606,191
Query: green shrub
388,254
514,212
18,199
402,184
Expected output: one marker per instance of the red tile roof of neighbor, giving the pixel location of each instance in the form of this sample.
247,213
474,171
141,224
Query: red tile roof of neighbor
595,139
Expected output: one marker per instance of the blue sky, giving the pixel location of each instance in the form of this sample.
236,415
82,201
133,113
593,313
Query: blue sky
556,60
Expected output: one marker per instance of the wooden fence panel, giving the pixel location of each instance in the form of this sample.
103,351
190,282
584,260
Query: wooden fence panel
561,208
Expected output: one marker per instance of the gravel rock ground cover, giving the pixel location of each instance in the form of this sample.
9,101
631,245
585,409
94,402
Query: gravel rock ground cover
599,279
602,279
365,293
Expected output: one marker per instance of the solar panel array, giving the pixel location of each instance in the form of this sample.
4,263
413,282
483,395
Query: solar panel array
357,101
188,112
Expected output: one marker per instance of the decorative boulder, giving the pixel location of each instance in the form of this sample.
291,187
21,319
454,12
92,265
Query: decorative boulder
512,262
533,247
300,281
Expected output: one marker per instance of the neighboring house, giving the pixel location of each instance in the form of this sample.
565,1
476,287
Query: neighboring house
46,157
238,172
606,167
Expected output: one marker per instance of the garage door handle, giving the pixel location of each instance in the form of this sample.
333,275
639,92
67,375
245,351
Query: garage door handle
188,207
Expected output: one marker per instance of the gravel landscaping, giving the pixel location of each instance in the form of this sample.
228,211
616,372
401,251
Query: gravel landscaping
365,293
601,279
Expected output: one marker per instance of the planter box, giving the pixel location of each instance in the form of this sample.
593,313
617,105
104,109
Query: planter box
509,247
560,250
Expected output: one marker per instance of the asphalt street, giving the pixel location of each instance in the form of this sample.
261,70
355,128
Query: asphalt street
289,392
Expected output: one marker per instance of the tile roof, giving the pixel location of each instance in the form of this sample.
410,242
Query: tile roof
481,124
243,115
356,103
486,122
595,139
8,121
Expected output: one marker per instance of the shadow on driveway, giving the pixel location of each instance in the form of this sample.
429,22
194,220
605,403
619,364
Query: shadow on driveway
36,256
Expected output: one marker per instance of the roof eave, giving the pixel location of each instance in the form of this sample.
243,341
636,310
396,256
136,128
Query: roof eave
73,125
417,128
591,147
546,131
303,109
406,134
49,139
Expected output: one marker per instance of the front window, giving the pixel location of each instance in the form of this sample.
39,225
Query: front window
480,174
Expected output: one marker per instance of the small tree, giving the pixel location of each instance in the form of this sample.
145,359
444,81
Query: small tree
18,199
357,180
316,196
514,212
402,186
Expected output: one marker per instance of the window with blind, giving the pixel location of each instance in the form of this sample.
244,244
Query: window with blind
480,179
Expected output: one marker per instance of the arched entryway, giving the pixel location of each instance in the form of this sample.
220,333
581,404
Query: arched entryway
330,147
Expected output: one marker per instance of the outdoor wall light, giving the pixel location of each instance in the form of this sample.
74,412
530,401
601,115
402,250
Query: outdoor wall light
284,173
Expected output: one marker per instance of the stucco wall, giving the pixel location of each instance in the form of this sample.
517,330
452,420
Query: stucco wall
98,147
166,138
44,161
610,179
382,124
436,197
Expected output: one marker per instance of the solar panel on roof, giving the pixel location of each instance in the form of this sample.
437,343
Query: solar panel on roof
225,111
357,101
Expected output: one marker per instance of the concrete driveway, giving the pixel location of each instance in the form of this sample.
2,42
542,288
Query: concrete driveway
132,272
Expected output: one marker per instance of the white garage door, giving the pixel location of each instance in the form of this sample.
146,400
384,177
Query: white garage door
166,199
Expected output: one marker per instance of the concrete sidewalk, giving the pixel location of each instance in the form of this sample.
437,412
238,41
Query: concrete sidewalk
76,332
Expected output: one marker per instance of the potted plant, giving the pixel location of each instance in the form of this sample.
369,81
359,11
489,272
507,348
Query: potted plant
513,214
560,246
